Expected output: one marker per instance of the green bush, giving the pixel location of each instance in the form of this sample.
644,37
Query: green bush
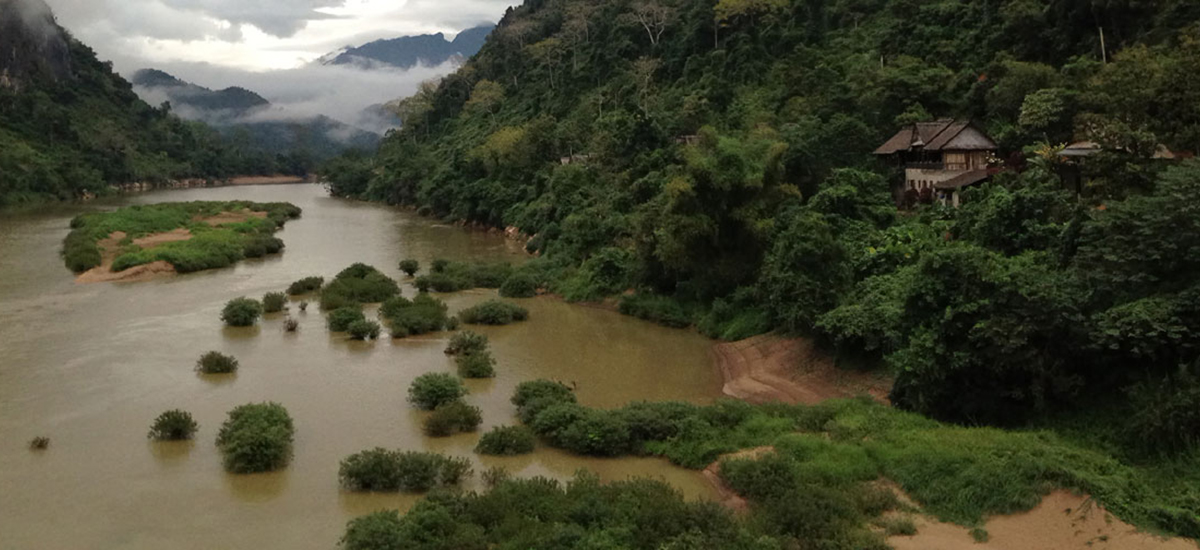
410,267
305,286
173,425
421,315
453,417
274,302
519,285
439,265
443,282
479,364
466,341
358,284
1165,416
257,246
433,389
493,312
382,530
659,309
532,397
372,470
256,438
241,312
383,470
216,363
340,320
506,440
364,330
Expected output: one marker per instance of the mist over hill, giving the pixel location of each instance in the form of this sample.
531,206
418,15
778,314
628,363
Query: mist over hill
410,51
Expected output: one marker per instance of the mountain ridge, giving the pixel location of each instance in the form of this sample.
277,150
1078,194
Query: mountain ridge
406,52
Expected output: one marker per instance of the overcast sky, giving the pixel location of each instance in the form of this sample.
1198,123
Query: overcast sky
268,45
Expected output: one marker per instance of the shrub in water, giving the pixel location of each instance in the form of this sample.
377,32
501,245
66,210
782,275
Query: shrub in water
291,325
274,302
423,285
479,364
432,389
410,267
506,440
466,341
494,476
440,265
373,470
173,425
531,397
382,530
453,417
306,286
493,312
384,470
584,431
256,438
421,315
241,312
39,443
358,284
216,363
364,330
519,285
341,319
303,306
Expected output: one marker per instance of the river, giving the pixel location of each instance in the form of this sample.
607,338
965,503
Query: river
91,365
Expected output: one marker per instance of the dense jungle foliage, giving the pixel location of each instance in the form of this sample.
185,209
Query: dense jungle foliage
63,137
715,155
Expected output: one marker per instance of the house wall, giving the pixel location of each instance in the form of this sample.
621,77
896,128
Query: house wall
921,178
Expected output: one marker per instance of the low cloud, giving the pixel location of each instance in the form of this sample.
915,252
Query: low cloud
340,92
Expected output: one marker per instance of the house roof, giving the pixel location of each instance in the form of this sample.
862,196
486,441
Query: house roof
942,135
963,180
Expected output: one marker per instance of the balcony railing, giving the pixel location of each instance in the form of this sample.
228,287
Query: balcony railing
926,165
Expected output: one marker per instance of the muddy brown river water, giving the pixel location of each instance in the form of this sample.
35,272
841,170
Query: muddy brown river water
91,365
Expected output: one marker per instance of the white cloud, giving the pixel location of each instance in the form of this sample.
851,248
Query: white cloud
268,45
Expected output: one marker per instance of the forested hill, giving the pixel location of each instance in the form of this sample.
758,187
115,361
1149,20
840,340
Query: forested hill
716,156
69,124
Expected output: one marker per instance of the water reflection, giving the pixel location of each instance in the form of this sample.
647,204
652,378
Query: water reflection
258,487
171,453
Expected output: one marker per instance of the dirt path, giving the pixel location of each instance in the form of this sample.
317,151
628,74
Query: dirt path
1062,521
791,370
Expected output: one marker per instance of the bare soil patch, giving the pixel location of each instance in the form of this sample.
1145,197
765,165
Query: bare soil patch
790,370
264,180
1063,521
231,217
110,247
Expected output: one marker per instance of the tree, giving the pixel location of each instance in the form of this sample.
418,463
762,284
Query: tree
548,53
654,16
486,97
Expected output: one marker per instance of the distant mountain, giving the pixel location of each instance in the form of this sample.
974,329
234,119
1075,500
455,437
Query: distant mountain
233,101
250,120
70,127
407,52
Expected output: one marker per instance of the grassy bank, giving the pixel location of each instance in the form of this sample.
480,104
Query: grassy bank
835,453
214,243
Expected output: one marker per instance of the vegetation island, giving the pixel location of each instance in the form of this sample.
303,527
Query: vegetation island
138,241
